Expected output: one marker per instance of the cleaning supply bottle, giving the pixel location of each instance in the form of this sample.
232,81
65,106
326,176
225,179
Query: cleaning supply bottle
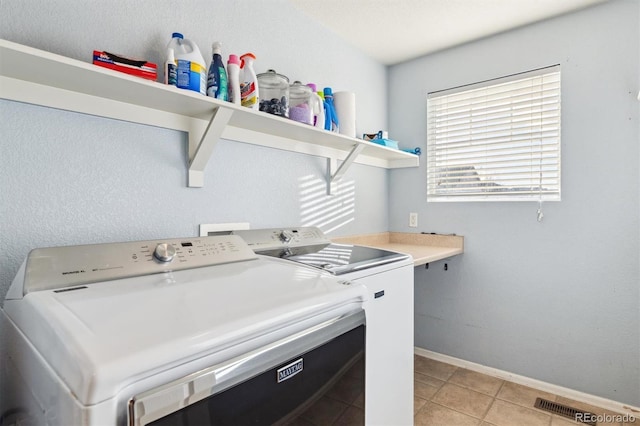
332,118
217,79
317,105
249,86
233,72
170,70
325,114
191,69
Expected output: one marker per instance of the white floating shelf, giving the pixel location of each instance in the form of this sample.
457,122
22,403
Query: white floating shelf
43,78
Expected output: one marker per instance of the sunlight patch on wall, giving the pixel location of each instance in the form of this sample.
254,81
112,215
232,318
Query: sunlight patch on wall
327,212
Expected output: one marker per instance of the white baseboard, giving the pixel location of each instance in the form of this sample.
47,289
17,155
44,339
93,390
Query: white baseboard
597,401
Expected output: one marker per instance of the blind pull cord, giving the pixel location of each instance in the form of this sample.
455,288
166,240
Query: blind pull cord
540,214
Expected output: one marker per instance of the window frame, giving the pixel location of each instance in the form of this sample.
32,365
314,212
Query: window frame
474,176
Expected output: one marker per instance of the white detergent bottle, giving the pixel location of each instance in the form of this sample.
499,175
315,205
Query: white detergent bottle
191,69
317,104
249,89
233,71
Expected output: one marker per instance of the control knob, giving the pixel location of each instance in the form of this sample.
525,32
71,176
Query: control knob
164,252
285,237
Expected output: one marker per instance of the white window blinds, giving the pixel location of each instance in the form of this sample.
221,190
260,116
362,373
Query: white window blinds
496,140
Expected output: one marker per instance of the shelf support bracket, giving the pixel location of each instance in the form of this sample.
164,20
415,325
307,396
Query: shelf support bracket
331,165
210,137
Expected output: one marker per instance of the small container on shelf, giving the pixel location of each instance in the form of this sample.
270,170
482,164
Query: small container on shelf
300,107
274,93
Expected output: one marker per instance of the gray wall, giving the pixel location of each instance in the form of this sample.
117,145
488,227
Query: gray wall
68,178
559,300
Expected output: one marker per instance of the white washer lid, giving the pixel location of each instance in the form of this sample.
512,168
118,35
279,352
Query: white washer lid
108,335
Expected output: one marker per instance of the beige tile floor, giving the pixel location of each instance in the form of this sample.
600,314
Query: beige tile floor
446,395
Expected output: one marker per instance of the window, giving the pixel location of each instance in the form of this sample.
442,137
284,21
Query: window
496,140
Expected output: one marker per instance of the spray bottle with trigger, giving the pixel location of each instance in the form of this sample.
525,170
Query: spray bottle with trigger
250,92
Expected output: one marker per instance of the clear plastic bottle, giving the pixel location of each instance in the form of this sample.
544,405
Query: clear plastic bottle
217,77
233,72
249,88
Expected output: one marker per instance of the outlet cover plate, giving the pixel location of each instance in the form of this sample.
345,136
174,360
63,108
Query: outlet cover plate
413,220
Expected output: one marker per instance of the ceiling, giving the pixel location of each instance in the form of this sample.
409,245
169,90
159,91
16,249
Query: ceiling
392,31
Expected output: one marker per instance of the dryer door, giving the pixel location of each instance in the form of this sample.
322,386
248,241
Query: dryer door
275,384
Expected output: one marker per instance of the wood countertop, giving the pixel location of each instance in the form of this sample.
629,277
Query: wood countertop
424,248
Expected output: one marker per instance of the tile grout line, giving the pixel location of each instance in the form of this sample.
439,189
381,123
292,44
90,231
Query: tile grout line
484,416
495,398
480,419
452,409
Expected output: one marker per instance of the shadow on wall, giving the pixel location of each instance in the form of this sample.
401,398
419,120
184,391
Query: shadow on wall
327,212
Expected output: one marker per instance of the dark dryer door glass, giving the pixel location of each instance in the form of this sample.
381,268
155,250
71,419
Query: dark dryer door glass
283,393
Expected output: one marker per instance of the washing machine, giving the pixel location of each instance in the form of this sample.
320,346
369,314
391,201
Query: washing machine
173,332
388,278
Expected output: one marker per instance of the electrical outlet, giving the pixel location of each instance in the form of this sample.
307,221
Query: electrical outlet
413,220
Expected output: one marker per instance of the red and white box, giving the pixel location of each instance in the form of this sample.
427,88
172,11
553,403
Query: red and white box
131,66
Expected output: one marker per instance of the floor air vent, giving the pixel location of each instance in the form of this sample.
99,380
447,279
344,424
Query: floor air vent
566,411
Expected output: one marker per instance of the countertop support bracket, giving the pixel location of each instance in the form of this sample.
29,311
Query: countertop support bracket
331,165
205,146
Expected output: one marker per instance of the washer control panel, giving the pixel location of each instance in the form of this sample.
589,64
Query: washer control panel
274,238
58,267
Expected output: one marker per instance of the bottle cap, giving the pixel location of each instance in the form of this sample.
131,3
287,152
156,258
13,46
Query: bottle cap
327,91
243,58
233,59
216,47
313,87
177,35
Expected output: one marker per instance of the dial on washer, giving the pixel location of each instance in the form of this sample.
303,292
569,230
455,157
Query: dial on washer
285,236
164,252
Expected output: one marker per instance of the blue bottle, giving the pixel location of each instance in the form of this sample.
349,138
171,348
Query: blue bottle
217,77
331,122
